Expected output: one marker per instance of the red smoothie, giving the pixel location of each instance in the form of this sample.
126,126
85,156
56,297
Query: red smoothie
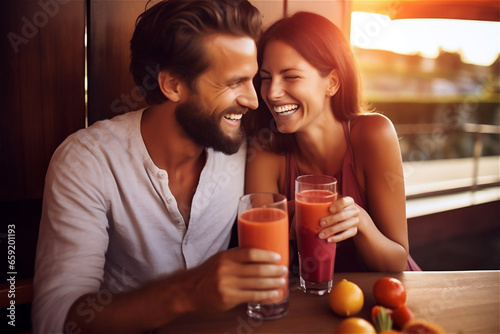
316,256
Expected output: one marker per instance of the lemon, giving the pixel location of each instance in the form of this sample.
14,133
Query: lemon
346,298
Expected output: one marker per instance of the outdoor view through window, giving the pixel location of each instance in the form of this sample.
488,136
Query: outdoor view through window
438,81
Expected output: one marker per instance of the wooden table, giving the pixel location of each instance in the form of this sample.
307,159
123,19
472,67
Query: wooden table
460,301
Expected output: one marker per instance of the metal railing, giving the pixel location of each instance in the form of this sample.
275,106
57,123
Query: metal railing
479,131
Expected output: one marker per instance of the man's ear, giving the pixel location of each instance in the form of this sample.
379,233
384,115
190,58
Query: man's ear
170,86
333,83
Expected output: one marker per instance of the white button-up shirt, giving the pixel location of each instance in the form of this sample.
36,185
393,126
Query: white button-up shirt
111,223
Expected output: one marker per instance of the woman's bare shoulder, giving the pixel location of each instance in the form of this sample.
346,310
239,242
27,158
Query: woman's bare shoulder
372,129
373,137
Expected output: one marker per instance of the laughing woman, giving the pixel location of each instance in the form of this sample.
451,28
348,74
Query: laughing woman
312,121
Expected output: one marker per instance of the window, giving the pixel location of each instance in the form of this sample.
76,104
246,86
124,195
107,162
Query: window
438,81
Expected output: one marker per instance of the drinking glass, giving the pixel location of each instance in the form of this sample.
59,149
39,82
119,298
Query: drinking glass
313,196
263,224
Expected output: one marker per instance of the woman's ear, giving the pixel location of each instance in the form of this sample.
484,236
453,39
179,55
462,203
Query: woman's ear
170,86
333,83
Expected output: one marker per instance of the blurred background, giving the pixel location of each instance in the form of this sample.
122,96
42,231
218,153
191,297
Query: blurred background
432,67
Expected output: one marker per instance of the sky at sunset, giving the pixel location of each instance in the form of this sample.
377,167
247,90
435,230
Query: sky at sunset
478,42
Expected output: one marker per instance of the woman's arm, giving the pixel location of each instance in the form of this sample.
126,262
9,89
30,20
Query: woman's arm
380,236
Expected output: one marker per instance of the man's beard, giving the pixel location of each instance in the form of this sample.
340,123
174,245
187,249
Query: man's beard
205,129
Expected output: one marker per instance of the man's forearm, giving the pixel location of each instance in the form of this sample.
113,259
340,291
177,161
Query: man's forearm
133,312
225,280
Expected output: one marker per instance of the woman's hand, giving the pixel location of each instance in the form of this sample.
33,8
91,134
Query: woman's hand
343,223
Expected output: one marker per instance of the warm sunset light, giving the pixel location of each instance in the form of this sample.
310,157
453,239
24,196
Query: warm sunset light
478,42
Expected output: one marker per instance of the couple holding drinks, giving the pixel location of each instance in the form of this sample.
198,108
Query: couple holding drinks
122,216
326,142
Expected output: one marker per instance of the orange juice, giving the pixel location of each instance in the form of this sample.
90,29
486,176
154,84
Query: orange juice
265,228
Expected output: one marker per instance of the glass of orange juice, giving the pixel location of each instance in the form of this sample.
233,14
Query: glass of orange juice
263,224
313,196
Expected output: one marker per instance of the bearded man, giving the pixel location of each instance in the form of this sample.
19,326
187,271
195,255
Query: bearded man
138,209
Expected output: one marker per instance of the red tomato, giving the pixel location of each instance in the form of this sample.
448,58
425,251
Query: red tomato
401,316
389,292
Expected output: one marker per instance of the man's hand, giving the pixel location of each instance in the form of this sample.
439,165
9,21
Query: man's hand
236,276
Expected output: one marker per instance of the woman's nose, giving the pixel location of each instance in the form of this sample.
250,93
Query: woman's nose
274,90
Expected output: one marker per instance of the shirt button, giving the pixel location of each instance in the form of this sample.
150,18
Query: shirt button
161,174
169,200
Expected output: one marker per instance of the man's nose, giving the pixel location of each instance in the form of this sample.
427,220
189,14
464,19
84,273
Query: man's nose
249,98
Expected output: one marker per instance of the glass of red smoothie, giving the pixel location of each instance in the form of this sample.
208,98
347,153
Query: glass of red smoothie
313,196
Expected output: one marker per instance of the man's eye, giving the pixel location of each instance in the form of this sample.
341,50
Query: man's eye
265,78
291,77
234,84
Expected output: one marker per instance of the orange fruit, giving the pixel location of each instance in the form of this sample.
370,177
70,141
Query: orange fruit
346,298
355,325
421,326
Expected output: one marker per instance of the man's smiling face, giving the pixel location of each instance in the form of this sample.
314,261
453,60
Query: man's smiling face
211,116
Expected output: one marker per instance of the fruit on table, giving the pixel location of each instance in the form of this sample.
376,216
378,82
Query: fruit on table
389,292
401,316
346,298
355,325
421,326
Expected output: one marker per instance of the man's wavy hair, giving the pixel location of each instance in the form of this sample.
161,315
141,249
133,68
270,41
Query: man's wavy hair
169,36
325,47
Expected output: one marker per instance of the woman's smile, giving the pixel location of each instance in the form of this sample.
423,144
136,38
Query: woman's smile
286,109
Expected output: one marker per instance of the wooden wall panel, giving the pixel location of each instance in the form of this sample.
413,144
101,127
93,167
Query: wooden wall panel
111,87
337,11
41,88
271,10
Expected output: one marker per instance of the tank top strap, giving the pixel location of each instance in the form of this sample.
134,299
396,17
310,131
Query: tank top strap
347,135
350,185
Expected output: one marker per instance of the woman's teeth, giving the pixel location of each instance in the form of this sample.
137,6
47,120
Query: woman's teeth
286,109
233,117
